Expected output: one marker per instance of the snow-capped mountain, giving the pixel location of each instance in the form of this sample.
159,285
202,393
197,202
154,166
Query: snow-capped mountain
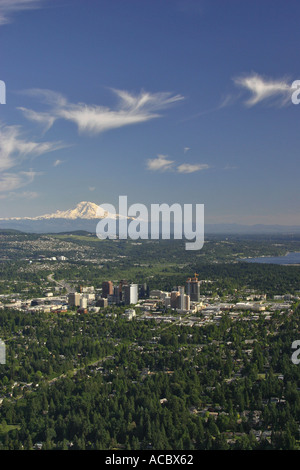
84,216
83,210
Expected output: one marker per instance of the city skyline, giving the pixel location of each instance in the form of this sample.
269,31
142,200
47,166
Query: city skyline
166,102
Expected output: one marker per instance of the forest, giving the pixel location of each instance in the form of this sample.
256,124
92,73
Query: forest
95,383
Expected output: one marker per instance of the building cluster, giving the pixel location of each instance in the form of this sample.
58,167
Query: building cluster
46,304
166,306
181,298
123,293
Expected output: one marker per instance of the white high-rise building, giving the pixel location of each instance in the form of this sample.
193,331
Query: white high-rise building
83,302
187,304
181,298
131,294
2,352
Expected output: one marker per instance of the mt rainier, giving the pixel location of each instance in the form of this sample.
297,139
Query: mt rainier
83,217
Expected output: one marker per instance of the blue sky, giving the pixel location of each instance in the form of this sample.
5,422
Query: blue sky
161,100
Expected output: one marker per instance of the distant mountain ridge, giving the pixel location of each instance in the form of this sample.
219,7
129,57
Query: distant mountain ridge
86,215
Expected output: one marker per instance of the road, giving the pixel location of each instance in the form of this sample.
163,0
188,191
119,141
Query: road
61,283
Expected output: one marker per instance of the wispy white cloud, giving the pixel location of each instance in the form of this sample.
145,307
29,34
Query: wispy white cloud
276,92
12,181
45,119
160,163
263,89
14,148
9,7
19,195
191,168
26,195
94,119
225,101
57,162
228,100
145,100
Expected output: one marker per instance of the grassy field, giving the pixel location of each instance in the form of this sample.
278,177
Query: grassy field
5,428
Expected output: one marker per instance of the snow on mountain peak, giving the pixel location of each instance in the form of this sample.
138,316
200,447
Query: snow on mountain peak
83,210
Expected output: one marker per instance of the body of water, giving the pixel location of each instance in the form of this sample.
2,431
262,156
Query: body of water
290,258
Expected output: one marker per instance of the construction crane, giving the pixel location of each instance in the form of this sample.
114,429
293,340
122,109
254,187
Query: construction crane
195,278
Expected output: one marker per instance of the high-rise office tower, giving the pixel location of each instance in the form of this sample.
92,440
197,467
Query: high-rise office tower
74,299
174,299
193,288
181,298
131,294
107,289
116,294
187,302
2,352
143,291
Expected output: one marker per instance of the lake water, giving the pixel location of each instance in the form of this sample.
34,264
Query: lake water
290,258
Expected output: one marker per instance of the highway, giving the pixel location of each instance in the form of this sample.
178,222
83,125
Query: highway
61,283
